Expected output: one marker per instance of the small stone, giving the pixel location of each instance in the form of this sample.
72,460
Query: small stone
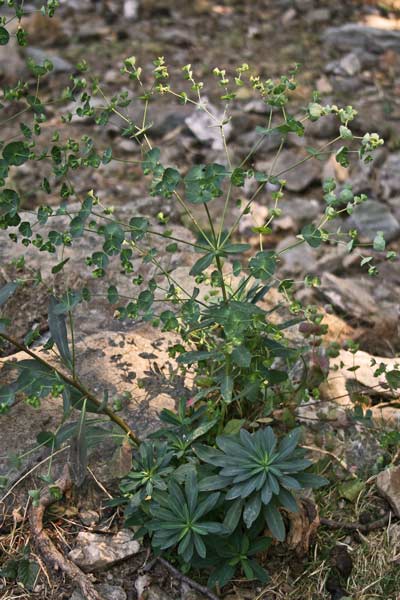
128,146
189,593
338,389
350,64
363,452
298,178
301,210
142,583
394,204
94,551
353,36
288,16
371,217
255,106
112,76
12,67
304,6
169,123
324,128
108,592
333,169
390,176
87,33
388,485
285,223
299,259
324,86
156,593
60,65
131,9
89,517
203,127
346,85
351,296
319,15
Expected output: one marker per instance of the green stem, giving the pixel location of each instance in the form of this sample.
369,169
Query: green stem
71,326
217,258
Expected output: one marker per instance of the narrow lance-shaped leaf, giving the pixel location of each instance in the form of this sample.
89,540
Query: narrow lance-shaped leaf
275,522
78,450
6,291
201,264
58,330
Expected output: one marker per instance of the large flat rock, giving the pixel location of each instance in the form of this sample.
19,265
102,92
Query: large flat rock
134,367
358,36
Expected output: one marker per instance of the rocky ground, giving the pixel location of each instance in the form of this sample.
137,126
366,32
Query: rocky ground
350,53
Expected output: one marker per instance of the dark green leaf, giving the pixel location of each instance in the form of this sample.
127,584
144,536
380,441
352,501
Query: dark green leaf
210,455
212,483
58,330
202,429
311,480
4,36
312,235
233,515
9,203
145,300
241,356
114,235
259,572
274,376
201,264
252,510
227,387
275,522
68,302
6,291
151,160
292,126
138,228
203,183
342,156
78,450
393,378
27,572
169,182
238,177
16,153
196,356
222,575
77,226
263,264
234,426
47,438
57,268
236,248
112,294
287,500
107,156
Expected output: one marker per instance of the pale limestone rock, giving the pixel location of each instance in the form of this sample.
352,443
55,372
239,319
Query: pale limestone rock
341,381
388,485
136,363
96,551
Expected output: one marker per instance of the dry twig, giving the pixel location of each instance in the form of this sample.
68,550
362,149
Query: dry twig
51,555
362,527
184,578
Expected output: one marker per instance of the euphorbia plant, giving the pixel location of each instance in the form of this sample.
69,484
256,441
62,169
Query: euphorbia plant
240,357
